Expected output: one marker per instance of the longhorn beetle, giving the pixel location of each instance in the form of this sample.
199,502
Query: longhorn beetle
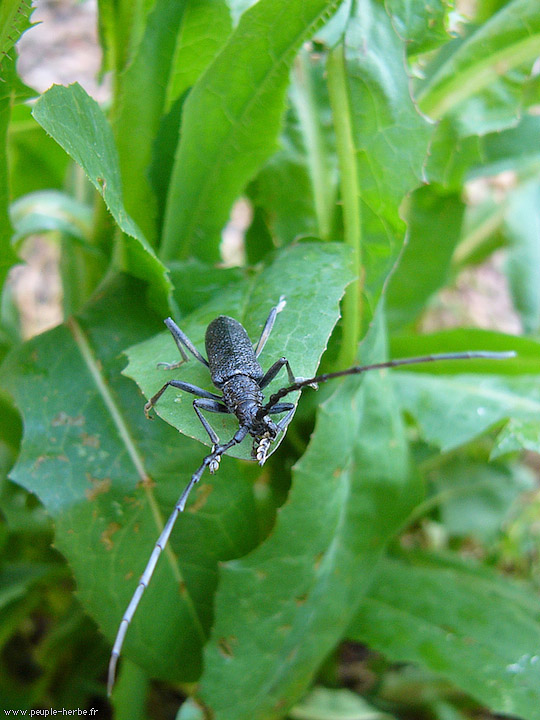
235,370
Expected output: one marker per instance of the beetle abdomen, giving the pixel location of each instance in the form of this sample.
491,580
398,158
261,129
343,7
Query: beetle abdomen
229,351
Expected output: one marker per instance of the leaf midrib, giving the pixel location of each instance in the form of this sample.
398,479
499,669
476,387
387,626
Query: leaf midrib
89,358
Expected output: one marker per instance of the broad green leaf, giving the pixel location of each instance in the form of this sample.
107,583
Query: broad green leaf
7,255
190,293
183,31
422,25
82,264
435,219
373,111
482,231
497,107
281,609
16,580
130,692
517,435
241,98
109,479
50,210
451,155
506,41
451,411
522,222
14,20
77,123
297,187
513,149
121,24
330,704
467,624
141,104
300,333
37,162
454,158
205,28
475,497
468,339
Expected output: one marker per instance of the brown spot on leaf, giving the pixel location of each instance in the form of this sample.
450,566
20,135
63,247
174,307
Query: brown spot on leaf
146,482
301,599
225,646
64,419
107,534
99,486
90,440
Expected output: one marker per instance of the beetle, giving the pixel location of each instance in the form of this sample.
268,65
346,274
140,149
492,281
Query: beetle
235,371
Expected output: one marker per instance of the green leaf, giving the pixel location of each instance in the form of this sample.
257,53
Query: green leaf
51,211
109,479
421,25
373,111
7,257
506,41
475,497
326,704
300,334
141,104
424,265
205,28
452,155
517,435
190,293
468,339
121,24
14,20
513,149
17,579
82,264
77,123
37,162
188,34
297,187
523,265
451,411
465,623
281,609
241,98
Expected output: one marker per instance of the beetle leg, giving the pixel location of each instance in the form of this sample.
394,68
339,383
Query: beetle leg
187,387
269,324
276,367
182,341
216,407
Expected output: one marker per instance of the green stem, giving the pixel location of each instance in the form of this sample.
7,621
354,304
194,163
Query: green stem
305,101
350,198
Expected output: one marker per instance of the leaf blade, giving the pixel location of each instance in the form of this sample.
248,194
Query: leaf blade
241,97
441,615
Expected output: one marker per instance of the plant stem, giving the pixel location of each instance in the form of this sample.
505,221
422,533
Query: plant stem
350,198
305,101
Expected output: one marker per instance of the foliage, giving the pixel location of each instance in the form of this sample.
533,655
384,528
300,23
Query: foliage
320,114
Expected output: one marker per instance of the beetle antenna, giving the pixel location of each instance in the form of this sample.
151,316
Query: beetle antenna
358,369
160,545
